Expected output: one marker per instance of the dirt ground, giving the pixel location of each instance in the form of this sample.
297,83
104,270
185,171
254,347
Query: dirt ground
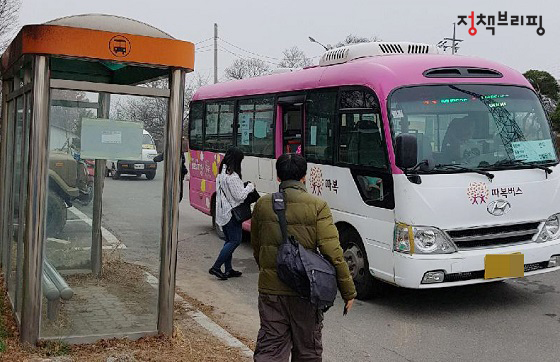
190,342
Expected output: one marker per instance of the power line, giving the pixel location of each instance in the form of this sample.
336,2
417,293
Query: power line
204,47
247,51
203,41
242,56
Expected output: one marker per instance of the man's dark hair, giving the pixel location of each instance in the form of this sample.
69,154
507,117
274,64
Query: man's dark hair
291,166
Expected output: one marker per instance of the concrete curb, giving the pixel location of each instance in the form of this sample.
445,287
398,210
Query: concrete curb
205,322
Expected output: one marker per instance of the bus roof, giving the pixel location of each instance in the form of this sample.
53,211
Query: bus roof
381,73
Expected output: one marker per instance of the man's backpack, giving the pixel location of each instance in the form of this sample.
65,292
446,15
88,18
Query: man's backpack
308,273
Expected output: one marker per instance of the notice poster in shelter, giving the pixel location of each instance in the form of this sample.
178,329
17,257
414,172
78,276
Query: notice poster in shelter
109,139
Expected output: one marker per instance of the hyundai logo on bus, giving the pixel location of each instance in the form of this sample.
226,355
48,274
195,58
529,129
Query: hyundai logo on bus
499,207
119,46
489,21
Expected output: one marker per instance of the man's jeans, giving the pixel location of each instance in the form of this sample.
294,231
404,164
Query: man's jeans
233,233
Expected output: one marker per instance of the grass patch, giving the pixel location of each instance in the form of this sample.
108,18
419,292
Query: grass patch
56,348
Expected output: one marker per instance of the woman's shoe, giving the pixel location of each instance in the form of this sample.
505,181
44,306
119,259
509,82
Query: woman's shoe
218,273
233,273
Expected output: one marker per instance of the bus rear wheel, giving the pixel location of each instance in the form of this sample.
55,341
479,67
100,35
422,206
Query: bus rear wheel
356,258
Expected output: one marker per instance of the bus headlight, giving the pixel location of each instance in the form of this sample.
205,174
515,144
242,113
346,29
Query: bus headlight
421,240
550,229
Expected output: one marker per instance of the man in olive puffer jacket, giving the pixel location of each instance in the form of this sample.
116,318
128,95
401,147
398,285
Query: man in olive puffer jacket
289,323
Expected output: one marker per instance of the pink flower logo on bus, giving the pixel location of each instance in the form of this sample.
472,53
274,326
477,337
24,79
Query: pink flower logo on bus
478,193
316,180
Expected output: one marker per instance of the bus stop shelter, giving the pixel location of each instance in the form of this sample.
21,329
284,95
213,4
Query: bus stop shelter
67,90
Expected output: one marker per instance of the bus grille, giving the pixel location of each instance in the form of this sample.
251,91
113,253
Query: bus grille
479,274
494,236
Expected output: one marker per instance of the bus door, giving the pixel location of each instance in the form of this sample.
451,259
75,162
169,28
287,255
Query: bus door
292,118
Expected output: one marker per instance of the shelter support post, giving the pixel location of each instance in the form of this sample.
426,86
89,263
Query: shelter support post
36,209
170,204
98,183
97,235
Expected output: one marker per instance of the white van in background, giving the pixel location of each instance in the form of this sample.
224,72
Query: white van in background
145,166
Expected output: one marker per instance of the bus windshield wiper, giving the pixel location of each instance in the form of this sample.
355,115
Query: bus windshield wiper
453,166
509,162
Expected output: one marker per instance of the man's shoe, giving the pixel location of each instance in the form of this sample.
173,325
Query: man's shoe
233,273
217,273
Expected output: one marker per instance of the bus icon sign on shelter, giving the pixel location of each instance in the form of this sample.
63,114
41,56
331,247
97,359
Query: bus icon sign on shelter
119,46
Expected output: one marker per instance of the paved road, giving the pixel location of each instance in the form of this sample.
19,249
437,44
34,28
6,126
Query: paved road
517,320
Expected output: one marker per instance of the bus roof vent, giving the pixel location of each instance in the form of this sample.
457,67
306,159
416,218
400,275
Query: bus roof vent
361,50
462,72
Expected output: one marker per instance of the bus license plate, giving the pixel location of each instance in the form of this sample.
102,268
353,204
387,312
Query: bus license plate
139,166
504,266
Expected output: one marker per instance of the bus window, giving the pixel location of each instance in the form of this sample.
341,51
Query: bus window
255,134
195,126
211,123
361,136
219,126
225,125
320,121
472,125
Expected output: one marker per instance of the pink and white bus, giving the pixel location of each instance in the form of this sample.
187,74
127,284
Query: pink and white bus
440,170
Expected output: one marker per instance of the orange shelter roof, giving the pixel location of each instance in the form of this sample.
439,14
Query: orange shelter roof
58,39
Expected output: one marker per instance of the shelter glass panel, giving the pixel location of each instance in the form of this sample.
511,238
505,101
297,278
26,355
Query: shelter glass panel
23,201
84,127
7,217
17,211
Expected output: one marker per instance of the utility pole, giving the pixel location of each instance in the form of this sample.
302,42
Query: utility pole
454,42
215,53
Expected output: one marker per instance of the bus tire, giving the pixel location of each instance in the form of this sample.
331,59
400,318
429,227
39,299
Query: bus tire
355,255
217,229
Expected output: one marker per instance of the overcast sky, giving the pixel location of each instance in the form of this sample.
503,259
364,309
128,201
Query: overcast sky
268,27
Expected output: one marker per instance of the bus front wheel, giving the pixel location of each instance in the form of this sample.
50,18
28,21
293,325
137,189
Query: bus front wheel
356,258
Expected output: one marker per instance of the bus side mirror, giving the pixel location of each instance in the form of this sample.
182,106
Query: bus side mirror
406,151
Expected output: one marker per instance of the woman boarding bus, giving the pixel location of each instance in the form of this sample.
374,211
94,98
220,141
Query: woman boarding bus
440,170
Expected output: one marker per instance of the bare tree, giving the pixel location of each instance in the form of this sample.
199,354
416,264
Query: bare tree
355,39
152,111
294,57
246,68
64,113
9,11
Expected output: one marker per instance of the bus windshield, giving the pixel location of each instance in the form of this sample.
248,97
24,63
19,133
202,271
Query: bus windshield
147,139
474,126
